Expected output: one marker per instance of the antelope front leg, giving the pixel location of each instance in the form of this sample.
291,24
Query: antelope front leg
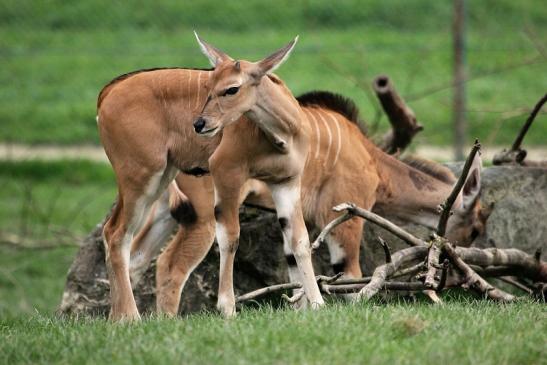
227,235
295,236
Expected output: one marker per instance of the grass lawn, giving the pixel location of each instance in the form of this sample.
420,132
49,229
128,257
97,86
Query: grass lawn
460,332
55,62
76,195
56,201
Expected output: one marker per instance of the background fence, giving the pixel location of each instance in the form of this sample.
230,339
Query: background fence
56,55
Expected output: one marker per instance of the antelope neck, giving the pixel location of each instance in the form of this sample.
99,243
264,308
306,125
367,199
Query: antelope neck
409,193
277,113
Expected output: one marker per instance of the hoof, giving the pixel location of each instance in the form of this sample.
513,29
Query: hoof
133,316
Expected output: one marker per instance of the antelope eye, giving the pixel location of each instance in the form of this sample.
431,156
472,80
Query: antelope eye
231,91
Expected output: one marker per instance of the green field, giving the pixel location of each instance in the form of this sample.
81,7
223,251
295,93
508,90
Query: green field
57,55
463,331
54,202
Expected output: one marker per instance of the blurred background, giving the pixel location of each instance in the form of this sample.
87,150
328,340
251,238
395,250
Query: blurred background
56,55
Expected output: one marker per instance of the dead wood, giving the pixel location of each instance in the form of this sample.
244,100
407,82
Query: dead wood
403,120
433,256
447,205
473,280
505,262
353,210
381,273
516,154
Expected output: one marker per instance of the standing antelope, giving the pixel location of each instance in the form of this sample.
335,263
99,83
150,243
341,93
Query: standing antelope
239,88
145,130
338,169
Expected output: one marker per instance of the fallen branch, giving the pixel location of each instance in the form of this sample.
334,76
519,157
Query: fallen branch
473,280
381,273
403,120
267,290
354,210
516,283
433,255
516,155
449,202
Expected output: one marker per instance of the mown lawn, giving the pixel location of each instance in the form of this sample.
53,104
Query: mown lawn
54,202
460,332
463,331
57,55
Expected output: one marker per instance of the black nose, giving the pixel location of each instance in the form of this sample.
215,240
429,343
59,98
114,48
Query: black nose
199,124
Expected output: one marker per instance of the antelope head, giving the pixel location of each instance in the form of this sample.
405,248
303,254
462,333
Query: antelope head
468,221
233,86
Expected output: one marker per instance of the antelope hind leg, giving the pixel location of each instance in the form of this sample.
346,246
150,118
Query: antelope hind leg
295,236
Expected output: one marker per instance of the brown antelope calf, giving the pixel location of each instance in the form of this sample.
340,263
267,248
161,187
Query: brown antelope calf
411,189
239,88
145,128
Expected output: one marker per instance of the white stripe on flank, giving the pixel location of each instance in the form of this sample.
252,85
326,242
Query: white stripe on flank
317,133
189,88
339,137
199,89
330,136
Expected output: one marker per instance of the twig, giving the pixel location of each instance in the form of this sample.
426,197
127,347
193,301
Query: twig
516,154
387,251
388,285
329,227
376,219
269,289
381,273
447,205
513,281
433,262
295,298
432,295
444,275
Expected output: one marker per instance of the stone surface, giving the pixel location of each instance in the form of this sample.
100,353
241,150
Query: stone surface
519,220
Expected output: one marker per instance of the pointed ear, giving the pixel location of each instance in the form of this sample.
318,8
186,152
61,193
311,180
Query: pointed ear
472,186
273,61
214,54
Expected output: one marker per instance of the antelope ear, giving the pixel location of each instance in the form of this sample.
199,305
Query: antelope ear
276,59
214,54
472,186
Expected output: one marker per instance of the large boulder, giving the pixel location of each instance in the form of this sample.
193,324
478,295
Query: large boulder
518,220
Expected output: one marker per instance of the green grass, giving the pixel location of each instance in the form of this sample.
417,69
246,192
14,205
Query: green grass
52,202
472,332
32,280
463,331
55,62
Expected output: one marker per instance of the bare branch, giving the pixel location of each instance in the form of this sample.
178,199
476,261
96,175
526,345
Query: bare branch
387,251
473,280
295,298
433,262
329,227
388,285
447,205
381,273
382,222
516,283
403,121
267,290
516,154
444,275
